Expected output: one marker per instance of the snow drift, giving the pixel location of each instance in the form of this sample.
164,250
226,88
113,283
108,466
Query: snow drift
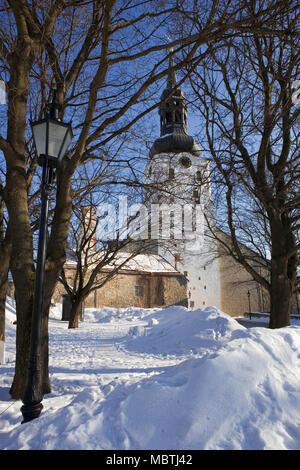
165,379
244,396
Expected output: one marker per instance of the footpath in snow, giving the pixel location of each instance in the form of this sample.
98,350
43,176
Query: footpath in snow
131,379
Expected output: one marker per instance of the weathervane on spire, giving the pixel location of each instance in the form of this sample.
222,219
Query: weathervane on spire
171,80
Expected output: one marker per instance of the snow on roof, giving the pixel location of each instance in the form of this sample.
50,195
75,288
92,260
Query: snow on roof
148,263
145,263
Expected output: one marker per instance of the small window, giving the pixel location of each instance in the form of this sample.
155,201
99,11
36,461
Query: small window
177,116
185,273
198,175
171,173
138,291
192,303
196,196
168,117
204,287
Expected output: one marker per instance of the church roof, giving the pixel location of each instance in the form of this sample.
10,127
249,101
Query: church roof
146,263
142,263
176,142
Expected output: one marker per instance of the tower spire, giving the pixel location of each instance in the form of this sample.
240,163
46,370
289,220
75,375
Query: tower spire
172,110
173,118
172,79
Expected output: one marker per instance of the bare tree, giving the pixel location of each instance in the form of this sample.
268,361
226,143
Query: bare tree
94,262
93,52
245,91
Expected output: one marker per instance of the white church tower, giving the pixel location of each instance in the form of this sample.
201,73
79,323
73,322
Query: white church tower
179,195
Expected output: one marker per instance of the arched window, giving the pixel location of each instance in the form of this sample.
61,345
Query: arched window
177,116
168,117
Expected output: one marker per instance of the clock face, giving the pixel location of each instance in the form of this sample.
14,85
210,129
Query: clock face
185,162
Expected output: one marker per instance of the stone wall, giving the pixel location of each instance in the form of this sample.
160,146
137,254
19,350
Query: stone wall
235,282
134,289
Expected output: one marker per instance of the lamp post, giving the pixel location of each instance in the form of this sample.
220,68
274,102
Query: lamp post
249,303
52,138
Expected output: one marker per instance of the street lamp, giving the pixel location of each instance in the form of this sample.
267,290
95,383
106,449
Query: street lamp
249,302
52,138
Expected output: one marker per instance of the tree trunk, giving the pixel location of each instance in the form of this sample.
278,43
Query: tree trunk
3,291
56,258
24,305
16,200
280,296
74,314
283,272
22,268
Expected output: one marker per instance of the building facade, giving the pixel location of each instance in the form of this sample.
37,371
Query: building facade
178,176
186,265
146,281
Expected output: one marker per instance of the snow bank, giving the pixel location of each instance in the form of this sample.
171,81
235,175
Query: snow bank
177,330
105,314
226,387
109,314
245,396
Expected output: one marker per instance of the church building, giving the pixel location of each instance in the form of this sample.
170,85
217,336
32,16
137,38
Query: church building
186,264
177,166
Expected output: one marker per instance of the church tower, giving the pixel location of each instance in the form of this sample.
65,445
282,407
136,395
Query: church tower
179,195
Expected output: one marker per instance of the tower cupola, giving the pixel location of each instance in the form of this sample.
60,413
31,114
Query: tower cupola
173,119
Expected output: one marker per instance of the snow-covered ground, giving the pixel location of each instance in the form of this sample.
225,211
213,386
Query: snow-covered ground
160,379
